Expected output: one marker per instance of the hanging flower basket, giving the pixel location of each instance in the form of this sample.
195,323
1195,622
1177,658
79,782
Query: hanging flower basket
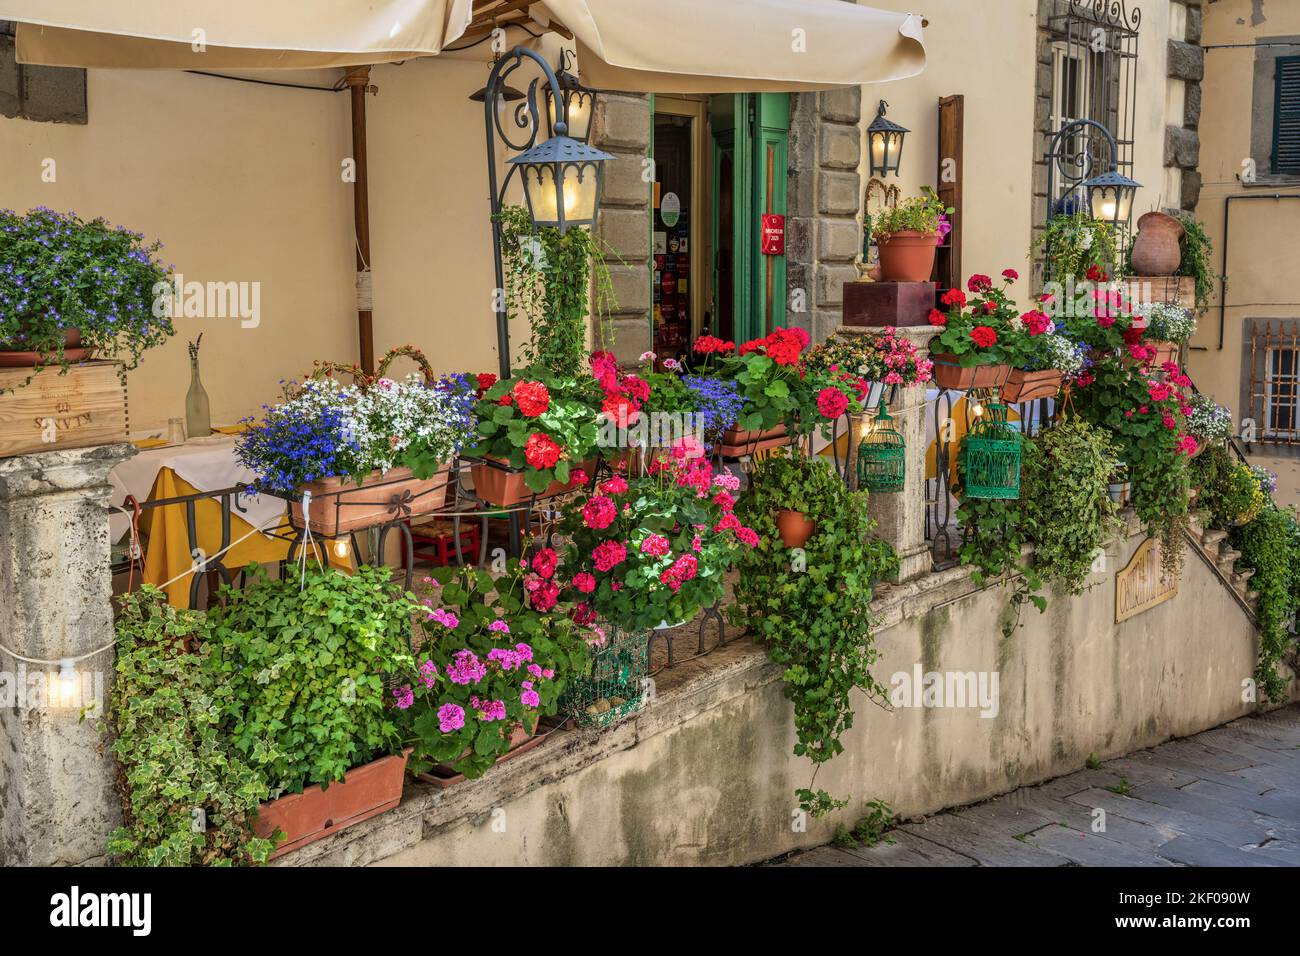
1026,386
950,374
882,456
616,686
991,456
794,528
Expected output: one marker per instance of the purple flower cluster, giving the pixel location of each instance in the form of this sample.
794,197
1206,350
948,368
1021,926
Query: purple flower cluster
291,447
717,400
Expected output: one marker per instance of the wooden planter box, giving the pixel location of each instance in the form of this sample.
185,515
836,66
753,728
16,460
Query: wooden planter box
83,408
738,442
499,484
949,374
306,817
340,506
1024,386
888,303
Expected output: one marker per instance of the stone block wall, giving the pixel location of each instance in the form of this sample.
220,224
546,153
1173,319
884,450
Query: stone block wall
823,229
621,126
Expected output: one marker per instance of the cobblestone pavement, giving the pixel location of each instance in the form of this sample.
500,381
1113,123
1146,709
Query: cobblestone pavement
1227,797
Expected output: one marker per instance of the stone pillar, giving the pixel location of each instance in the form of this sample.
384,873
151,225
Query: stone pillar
823,231
58,799
621,126
900,517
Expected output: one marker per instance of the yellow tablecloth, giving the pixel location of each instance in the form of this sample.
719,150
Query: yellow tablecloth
167,553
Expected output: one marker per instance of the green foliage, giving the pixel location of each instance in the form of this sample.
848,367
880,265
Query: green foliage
1074,244
550,290
1123,788
812,607
916,214
1197,251
1093,762
74,274
870,829
168,743
1068,513
481,606
1271,546
1229,490
301,671
996,532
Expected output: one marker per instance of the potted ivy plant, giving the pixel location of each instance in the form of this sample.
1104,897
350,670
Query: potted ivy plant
907,236
71,288
302,666
497,654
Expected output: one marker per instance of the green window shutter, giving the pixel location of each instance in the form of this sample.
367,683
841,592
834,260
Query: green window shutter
1286,116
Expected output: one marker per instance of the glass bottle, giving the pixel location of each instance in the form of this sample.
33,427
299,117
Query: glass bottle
198,421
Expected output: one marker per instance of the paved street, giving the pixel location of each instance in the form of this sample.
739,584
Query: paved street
1227,797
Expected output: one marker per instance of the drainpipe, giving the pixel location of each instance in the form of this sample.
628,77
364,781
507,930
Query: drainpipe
1223,270
358,82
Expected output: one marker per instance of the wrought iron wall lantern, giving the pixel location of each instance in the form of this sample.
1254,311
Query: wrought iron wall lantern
882,455
561,178
1109,195
579,102
885,143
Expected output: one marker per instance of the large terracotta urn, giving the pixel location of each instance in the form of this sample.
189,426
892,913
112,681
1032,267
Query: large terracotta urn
1157,250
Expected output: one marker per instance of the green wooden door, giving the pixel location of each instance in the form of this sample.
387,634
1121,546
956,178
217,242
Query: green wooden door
751,135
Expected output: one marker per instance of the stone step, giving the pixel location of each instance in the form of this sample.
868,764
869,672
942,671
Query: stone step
1211,539
1228,552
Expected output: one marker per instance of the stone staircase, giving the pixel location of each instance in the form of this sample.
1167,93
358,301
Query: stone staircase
1220,554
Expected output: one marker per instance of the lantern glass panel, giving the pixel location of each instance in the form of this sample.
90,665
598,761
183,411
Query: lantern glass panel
580,192
543,197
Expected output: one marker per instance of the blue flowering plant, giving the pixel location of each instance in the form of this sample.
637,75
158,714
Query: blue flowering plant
68,283
325,429
717,401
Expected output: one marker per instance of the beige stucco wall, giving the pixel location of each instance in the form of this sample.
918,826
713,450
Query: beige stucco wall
986,52
1264,259
243,183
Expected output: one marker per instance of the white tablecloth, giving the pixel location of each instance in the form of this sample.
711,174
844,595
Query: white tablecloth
208,466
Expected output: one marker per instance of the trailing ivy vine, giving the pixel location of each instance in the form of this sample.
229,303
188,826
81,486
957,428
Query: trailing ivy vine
811,605
1270,545
1073,244
549,283
188,796
1196,252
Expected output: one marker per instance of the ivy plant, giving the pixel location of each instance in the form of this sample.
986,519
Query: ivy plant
188,796
301,666
1197,250
1271,546
1074,245
549,281
811,606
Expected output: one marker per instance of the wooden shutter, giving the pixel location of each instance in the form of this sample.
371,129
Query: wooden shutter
949,179
1286,116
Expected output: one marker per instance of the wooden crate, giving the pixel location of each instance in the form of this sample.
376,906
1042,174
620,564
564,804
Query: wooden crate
87,406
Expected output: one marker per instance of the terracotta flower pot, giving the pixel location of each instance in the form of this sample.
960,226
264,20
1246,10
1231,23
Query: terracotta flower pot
907,256
30,359
339,505
306,817
1157,250
794,528
503,486
950,374
1026,386
1166,352
737,442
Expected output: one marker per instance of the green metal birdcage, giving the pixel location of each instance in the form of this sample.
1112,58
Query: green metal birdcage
882,455
991,456
618,682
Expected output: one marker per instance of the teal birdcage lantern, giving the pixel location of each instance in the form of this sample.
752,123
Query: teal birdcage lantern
617,684
882,455
991,457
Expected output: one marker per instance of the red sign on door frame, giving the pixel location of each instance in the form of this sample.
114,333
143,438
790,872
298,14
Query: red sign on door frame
773,235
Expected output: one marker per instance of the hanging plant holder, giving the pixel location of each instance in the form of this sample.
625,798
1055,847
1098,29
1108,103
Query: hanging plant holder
882,455
991,458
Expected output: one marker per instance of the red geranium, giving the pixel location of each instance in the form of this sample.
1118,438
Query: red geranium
983,336
541,452
620,408
532,397
979,283
485,380
831,402
938,318
954,297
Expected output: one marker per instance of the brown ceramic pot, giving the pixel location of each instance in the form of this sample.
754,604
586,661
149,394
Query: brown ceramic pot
794,528
1025,386
907,256
306,817
1156,249
504,486
948,373
340,505
522,740
72,352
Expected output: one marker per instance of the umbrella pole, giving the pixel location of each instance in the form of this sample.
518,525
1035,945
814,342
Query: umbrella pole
358,81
